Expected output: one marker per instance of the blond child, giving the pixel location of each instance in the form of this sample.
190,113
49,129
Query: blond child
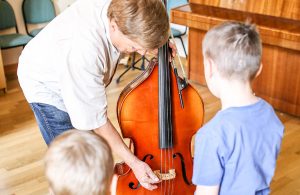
236,151
77,163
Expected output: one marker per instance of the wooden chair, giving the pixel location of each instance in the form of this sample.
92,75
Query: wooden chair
14,38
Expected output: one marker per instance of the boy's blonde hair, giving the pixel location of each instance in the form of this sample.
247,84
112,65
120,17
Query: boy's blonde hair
143,21
235,48
79,162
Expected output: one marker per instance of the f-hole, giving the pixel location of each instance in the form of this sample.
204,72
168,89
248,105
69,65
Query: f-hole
182,168
134,186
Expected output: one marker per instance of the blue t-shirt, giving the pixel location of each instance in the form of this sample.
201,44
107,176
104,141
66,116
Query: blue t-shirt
237,150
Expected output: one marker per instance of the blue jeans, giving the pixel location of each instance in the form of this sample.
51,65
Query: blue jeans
52,121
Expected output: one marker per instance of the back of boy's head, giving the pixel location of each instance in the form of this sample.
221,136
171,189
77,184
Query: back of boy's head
143,21
79,162
235,48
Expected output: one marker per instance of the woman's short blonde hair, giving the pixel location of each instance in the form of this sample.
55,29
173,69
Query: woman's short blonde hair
79,162
143,21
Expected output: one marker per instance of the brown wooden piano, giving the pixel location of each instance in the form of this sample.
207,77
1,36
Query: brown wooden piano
278,22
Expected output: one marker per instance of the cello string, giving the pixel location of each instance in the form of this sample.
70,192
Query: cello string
173,66
165,167
170,134
172,163
166,100
173,180
169,112
167,119
170,121
161,184
177,54
165,114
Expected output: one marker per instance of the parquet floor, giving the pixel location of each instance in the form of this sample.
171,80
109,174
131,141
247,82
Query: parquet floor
22,147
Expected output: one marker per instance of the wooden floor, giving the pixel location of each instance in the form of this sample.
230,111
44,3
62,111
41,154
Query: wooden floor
22,147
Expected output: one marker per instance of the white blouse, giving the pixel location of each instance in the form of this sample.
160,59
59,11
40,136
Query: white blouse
70,62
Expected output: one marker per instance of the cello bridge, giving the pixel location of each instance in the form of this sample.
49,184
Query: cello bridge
165,176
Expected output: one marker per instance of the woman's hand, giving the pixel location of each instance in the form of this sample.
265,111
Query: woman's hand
172,47
144,174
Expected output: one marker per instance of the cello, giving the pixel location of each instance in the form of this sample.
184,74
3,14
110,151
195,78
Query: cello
160,112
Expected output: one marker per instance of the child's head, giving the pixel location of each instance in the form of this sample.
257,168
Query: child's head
235,48
79,162
144,22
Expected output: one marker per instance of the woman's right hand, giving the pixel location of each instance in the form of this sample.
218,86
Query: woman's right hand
144,174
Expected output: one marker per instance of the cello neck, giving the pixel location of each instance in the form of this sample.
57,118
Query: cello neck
164,99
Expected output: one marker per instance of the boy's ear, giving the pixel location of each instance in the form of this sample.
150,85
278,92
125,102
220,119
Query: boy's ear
259,70
212,68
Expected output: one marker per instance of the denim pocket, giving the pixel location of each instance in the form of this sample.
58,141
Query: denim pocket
52,121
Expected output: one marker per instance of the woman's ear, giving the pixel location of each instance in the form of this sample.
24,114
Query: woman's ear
113,25
259,70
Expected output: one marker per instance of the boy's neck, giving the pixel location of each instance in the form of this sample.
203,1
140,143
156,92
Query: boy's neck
235,93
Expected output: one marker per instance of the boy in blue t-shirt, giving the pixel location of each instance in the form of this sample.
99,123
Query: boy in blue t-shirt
236,151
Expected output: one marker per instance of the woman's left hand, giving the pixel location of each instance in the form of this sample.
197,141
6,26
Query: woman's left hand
173,48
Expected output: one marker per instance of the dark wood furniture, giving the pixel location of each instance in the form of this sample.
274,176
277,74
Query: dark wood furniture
278,22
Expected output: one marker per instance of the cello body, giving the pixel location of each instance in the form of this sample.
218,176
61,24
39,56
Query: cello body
138,117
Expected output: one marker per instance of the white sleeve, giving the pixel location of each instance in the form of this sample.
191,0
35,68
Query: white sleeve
83,89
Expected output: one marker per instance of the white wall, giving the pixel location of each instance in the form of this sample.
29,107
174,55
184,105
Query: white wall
60,5
10,56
